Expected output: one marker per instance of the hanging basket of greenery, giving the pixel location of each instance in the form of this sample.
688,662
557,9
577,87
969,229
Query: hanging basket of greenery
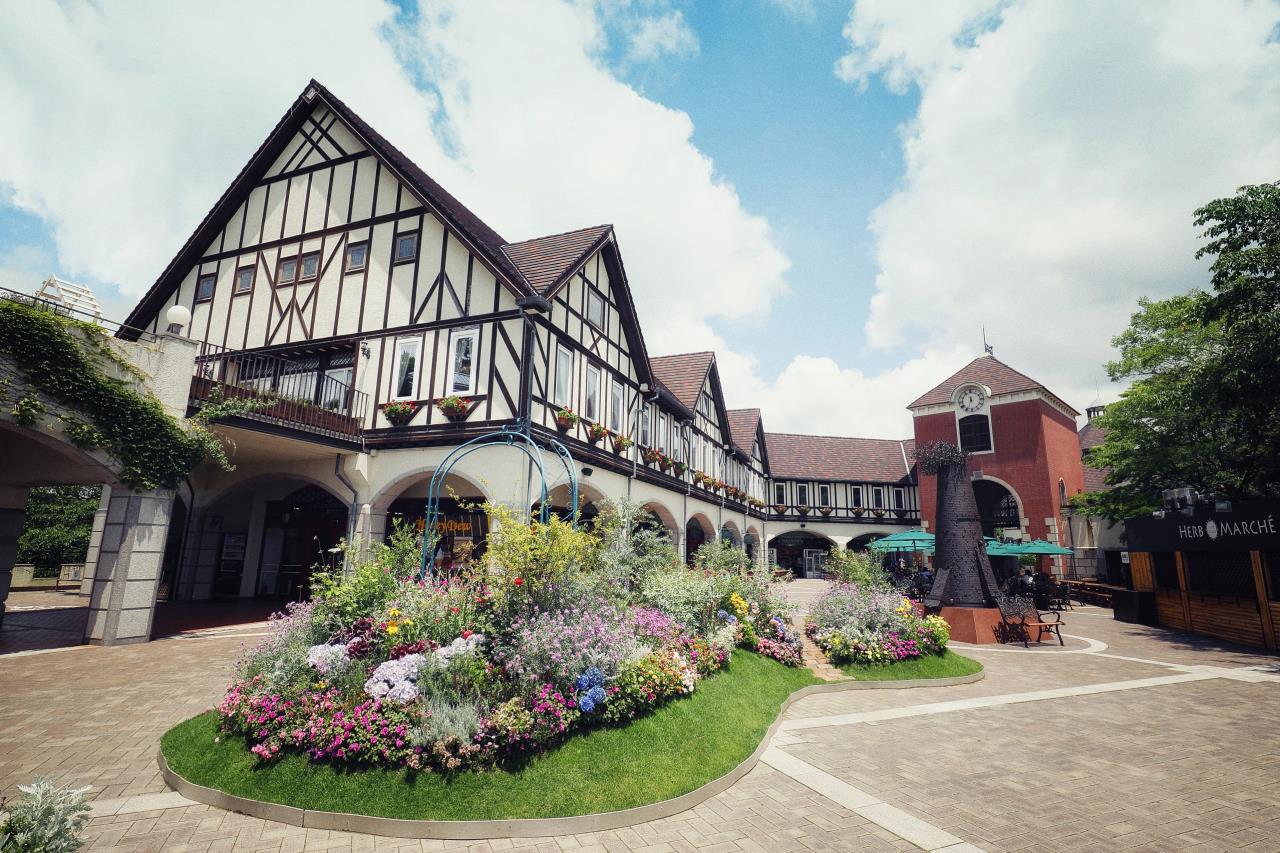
399,412
455,408
621,443
566,419
596,433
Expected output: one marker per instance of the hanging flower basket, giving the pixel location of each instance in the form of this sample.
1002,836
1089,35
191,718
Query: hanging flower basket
803,510
878,513
596,432
699,478
900,513
680,468
399,412
566,419
652,455
780,508
825,510
455,408
665,462
622,443
859,511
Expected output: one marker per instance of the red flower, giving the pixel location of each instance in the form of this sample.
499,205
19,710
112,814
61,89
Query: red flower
466,634
518,581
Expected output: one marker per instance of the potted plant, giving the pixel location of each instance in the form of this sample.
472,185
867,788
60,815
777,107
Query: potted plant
802,509
652,455
566,419
780,508
679,468
399,412
453,407
900,513
664,461
596,432
859,511
825,510
699,477
622,443
878,513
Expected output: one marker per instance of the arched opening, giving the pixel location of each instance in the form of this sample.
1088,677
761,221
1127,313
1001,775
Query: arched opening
173,550
561,501
461,525
298,534
997,507
697,531
729,533
861,543
800,552
659,517
751,541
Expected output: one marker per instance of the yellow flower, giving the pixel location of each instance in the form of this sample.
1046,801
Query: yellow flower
393,628
394,613
407,622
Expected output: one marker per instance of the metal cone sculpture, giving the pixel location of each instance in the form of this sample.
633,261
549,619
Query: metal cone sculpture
964,577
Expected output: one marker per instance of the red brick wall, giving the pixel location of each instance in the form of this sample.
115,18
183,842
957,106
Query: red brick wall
1035,445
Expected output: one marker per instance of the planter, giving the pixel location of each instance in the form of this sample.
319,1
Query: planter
454,413
878,513
803,510
621,444
780,508
825,510
859,511
680,468
565,424
665,465
399,417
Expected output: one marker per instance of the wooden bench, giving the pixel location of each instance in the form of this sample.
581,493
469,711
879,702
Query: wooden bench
1019,617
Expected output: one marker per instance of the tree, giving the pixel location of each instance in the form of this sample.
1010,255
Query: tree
1204,407
58,524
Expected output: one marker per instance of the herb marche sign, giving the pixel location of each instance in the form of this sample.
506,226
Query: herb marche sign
1251,526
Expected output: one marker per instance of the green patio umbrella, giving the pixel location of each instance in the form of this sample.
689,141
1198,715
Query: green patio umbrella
1040,546
904,540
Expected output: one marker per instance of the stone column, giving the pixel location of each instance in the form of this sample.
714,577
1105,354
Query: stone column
95,541
13,515
127,574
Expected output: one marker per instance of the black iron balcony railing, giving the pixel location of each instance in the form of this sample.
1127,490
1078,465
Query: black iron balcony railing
297,393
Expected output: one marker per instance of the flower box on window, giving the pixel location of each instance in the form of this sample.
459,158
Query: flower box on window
679,468
455,408
665,462
780,508
652,455
566,419
803,510
878,513
596,433
859,511
622,443
825,510
399,412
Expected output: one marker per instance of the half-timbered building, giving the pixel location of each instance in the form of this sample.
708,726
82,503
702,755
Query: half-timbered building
337,275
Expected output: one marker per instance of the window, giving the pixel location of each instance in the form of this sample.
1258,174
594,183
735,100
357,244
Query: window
616,399
564,376
975,434
824,495
899,499
357,256
591,406
855,496
310,269
406,368
462,358
595,309
286,271
1166,570
244,280
406,247
877,497
336,391
644,427
1220,573
780,494
802,494
204,287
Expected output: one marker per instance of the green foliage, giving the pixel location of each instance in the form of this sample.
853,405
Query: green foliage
58,524
60,357
342,597
856,567
27,411
46,819
1204,407
532,561
633,547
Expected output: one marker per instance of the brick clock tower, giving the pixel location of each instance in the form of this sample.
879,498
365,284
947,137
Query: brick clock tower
1024,452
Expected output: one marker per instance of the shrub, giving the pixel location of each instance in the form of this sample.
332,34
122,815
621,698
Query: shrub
867,626
555,648
689,597
857,568
45,819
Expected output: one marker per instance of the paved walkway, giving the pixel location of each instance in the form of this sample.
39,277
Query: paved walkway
1132,738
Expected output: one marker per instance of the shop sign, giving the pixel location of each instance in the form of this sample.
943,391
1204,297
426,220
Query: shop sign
1248,527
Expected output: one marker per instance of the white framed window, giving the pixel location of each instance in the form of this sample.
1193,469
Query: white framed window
591,406
780,493
462,361
644,426
595,309
404,380
855,496
561,394
899,498
877,497
824,495
802,494
617,399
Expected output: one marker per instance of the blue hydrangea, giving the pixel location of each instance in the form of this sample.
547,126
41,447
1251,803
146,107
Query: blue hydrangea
722,614
732,620
583,683
587,704
596,695
594,677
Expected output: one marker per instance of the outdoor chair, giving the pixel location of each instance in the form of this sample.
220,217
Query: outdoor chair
1019,617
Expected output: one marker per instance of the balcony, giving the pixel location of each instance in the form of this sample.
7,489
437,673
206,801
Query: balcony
848,515
297,395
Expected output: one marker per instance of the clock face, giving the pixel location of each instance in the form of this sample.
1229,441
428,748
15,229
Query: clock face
971,399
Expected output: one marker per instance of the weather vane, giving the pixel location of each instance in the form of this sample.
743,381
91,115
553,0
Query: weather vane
988,348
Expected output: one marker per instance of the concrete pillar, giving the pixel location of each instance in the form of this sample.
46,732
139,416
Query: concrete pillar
13,516
253,547
95,541
127,574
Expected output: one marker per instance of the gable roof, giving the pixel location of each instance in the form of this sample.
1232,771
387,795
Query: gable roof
1095,479
742,427
486,242
989,371
829,457
545,262
1091,435
683,375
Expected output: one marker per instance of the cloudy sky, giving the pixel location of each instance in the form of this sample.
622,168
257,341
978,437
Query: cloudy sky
836,198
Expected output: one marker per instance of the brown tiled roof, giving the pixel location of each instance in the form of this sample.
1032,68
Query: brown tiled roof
988,371
1095,479
487,241
683,375
546,261
742,428
1091,435
826,457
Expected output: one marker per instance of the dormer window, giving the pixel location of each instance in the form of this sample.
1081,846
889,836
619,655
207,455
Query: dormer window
975,434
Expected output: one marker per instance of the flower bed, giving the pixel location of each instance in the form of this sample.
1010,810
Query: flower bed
555,631
867,626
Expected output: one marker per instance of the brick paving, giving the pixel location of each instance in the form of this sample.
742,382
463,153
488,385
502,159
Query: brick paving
1166,766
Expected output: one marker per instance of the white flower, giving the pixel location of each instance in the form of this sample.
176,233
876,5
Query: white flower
396,680
326,658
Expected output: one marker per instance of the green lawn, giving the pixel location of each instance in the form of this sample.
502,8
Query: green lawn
946,665
679,747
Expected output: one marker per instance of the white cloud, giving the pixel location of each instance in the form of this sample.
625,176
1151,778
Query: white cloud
656,36
1054,163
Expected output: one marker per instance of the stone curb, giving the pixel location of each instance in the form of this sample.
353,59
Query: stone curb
463,830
